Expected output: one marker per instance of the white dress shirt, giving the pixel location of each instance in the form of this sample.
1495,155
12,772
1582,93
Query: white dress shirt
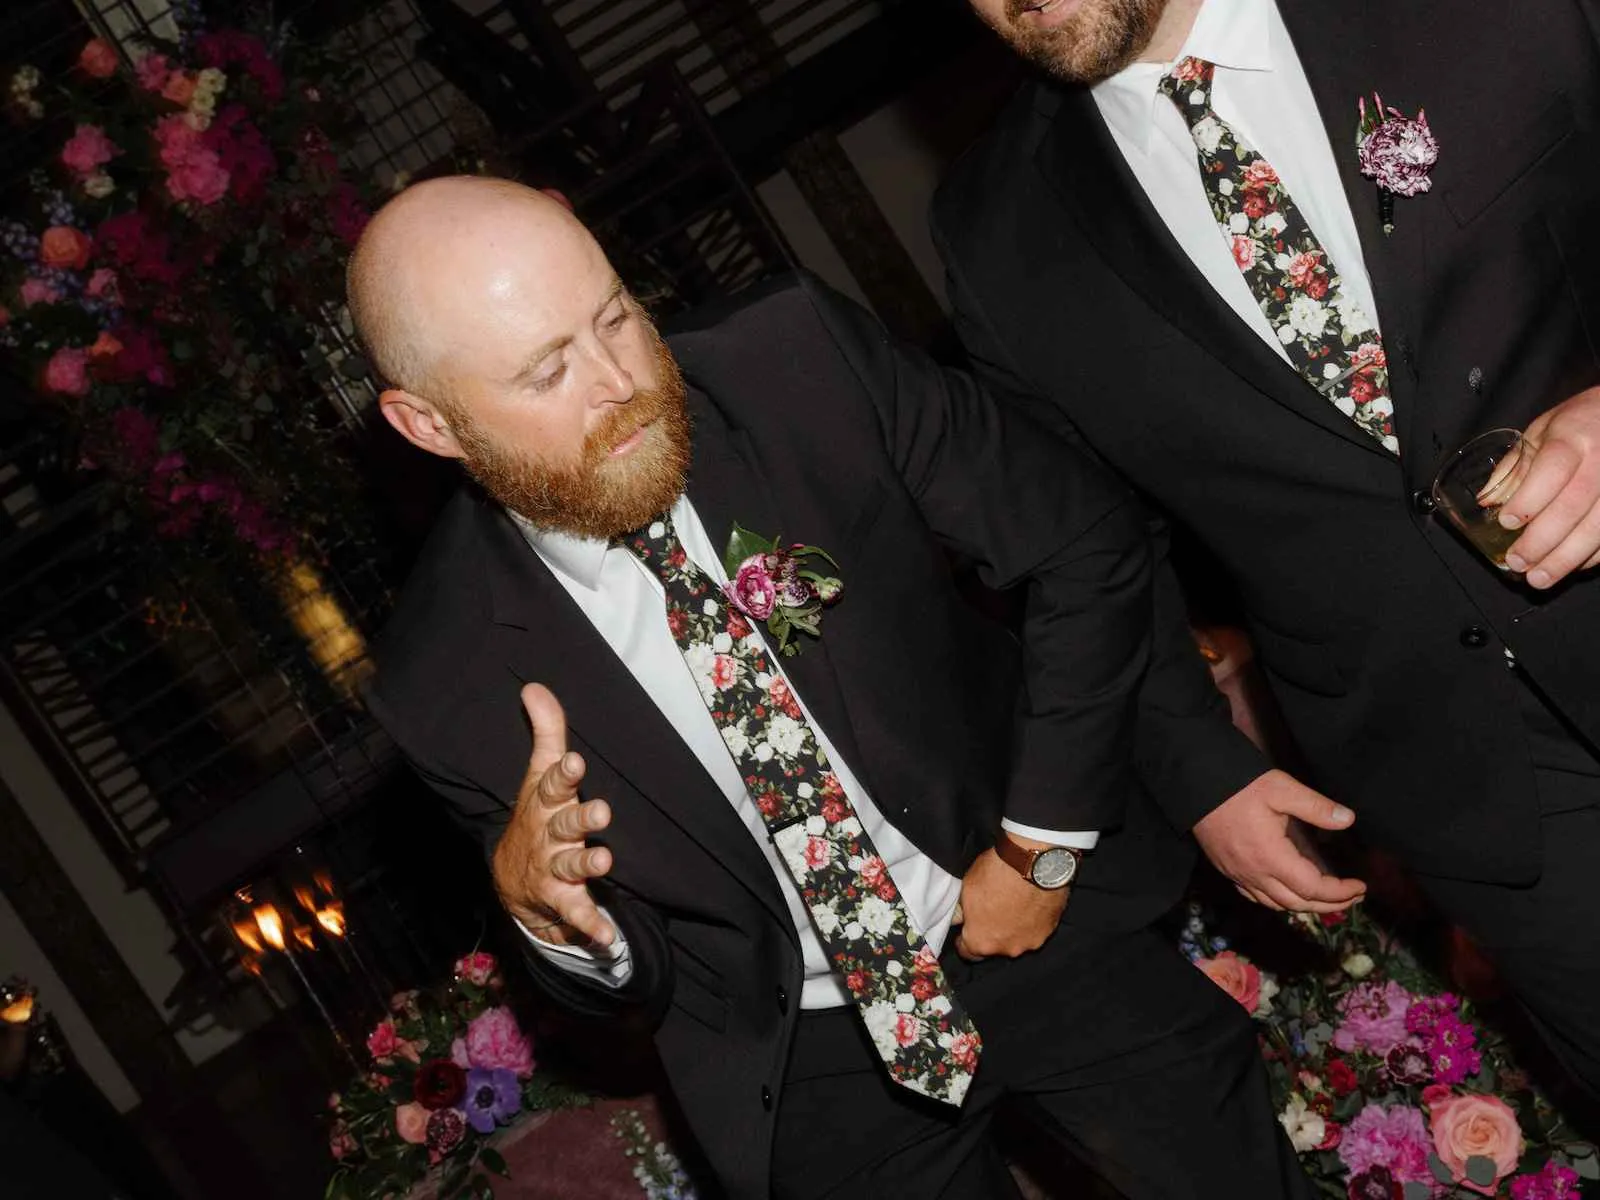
624,601
1260,90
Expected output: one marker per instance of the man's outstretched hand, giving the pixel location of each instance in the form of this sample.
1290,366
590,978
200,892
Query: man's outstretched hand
1254,839
542,866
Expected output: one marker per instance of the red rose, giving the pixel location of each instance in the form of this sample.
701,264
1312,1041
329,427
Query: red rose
1341,1077
1259,174
737,626
923,987
724,672
856,981
834,810
1362,390
1334,1136
886,890
440,1084
1303,267
873,870
1244,252
1317,287
1256,206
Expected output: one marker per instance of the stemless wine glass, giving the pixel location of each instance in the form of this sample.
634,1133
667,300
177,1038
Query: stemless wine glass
1476,481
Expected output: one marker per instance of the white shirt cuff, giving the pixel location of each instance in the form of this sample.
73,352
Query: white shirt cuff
1078,839
608,965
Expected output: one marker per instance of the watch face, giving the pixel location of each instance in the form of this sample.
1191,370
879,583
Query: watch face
1055,868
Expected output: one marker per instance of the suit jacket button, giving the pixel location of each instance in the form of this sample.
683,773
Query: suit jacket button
1422,502
1474,636
766,1097
783,1000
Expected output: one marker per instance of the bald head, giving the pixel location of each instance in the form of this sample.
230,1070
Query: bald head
451,263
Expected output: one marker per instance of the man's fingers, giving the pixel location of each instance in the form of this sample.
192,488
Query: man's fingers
558,786
1314,809
576,821
965,951
1552,470
549,722
1317,887
586,919
1572,553
580,866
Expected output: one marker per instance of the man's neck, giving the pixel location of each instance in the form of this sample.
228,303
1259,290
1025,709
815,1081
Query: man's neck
1172,31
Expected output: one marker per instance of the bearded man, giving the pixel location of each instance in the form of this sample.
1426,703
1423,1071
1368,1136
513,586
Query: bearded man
1200,244
831,880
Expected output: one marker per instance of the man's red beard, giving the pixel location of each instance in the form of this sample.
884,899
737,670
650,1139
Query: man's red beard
599,496
1097,41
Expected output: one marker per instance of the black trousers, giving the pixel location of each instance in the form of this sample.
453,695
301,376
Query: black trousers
1133,1059
1545,938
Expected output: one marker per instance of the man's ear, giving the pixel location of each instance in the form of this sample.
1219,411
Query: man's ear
420,423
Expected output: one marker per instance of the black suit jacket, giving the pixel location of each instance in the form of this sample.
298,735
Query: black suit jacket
809,423
1382,634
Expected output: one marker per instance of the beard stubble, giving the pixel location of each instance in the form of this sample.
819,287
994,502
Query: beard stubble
1099,40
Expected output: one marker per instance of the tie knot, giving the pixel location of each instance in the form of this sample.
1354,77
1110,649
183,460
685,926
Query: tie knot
656,545
1188,85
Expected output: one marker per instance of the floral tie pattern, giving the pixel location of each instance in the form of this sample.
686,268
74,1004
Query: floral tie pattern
919,1029
1324,329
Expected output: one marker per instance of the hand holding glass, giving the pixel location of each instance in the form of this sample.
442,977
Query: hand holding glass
1476,481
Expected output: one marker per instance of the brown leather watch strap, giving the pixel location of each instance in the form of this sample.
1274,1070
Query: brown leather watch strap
1015,855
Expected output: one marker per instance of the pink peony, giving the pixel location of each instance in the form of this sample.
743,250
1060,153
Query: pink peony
753,591
495,1040
194,172
1395,1139
98,59
36,291
477,968
1467,1127
1374,1018
1239,977
67,372
152,71
411,1123
88,149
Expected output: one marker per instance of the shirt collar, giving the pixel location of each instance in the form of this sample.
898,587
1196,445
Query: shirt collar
1236,35
578,558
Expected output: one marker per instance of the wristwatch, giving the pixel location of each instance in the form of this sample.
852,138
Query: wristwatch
1051,868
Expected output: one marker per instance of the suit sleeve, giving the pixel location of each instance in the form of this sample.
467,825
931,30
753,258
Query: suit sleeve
1187,751
1025,510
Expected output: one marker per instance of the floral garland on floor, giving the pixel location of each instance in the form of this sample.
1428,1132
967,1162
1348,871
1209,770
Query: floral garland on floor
1388,1085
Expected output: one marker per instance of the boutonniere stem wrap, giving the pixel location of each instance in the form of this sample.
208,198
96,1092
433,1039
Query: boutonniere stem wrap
1396,152
780,585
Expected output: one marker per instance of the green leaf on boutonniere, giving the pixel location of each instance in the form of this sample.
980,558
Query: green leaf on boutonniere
742,544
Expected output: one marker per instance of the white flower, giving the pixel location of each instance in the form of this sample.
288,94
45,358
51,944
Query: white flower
805,791
1197,97
786,735
1225,186
1358,965
737,740
1207,134
1391,443
1306,1129
210,81
790,842
895,967
711,608
199,122
1283,262
1269,989
905,1002
939,1005
1286,334
1308,317
825,919
701,660
99,185
816,826
763,680
26,79
1345,405
1353,317
722,643
763,752
1273,222
876,915
1238,223
853,930
657,530
882,1021
1330,370
849,827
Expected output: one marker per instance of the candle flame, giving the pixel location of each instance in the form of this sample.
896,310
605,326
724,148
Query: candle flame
270,924
246,933
324,880
307,901
302,934
251,963
332,919
18,1012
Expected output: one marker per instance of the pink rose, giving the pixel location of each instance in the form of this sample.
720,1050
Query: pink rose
964,1050
1244,252
908,1029
753,591
66,247
151,72
1303,267
495,1040
1239,977
67,372
818,853
411,1123
476,968
36,291
782,698
383,1043
724,672
1190,69
1259,175
1466,1127
873,870
88,149
98,59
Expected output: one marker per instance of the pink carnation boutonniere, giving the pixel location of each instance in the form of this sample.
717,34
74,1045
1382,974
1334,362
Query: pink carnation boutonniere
780,585
1394,151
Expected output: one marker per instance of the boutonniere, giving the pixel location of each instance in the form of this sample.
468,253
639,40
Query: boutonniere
1396,152
779,585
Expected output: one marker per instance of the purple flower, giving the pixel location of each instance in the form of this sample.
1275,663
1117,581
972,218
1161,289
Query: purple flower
753,591
1408,1063
1377,1184
1552,1183
1373,1018
1452,1049
793,591
1398,151
1395,1139
492,1096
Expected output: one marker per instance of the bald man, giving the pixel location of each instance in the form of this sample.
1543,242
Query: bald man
786,842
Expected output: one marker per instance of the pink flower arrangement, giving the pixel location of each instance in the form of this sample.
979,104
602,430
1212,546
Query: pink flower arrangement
477,968
495,1040
194,172
1395,1139
1373,1018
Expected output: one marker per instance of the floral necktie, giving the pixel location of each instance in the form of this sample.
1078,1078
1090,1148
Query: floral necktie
1328,336
919,1029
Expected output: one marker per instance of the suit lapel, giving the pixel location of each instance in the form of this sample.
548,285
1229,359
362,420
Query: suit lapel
1347,51
728,484
550,641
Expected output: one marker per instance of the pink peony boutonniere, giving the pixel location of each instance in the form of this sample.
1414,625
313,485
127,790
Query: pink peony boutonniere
1394,151
773,583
